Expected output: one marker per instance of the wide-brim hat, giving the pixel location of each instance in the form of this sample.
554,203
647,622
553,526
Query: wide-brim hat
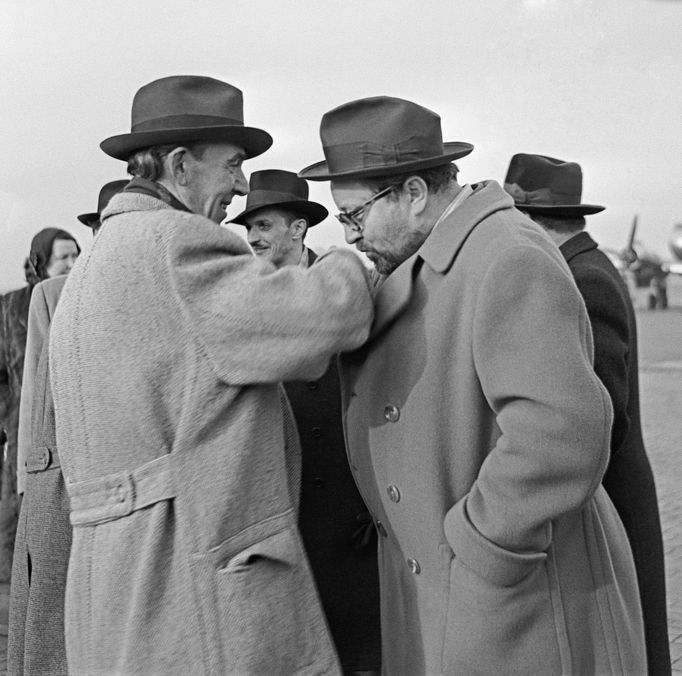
283,189
547,186
381,136
107,191
184,109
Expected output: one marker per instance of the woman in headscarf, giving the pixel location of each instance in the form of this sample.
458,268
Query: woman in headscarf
53,252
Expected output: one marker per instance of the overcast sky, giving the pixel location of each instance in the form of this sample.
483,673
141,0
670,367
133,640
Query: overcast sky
591,81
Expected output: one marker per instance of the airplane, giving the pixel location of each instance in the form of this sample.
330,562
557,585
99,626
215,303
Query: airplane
648,270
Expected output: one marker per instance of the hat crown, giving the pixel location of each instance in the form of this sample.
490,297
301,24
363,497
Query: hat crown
278,182
554,181
187,100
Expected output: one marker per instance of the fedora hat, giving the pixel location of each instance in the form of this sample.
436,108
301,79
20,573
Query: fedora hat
107,191
186,108
381,136
278,188
545,185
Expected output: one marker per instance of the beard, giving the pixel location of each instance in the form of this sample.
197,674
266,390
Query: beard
386,262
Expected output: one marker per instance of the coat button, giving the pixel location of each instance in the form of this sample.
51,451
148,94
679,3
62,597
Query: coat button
318,482
414,566
382,529
317,432
312,385
392,413
393,493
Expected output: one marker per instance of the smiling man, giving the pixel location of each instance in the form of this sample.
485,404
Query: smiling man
477,430
165,356
334,523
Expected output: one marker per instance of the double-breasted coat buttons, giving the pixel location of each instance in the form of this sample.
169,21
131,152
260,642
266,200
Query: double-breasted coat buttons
382,529
393,493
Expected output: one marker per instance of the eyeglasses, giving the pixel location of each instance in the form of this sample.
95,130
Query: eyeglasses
350,218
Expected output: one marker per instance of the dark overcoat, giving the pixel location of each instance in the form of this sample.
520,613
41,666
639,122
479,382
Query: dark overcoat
338,534
478,433
41,555
13,327
629,480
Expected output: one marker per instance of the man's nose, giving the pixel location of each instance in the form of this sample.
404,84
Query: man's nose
252,236
352,236
241,185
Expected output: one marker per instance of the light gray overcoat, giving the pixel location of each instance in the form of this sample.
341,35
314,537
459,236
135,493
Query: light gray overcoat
479,434
186,557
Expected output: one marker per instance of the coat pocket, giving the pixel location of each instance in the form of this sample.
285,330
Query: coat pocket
260,604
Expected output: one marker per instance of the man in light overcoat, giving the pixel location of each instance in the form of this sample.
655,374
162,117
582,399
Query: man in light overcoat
476,427
165,353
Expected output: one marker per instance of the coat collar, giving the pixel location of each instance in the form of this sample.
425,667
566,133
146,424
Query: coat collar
576,245
438,251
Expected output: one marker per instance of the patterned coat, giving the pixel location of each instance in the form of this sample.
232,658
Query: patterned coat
35,643
164,351
478,433
629,480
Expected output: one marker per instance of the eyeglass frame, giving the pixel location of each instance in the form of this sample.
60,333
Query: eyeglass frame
349,218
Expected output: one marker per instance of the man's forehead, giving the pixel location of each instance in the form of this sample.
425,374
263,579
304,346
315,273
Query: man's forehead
266,215
227,151
348,194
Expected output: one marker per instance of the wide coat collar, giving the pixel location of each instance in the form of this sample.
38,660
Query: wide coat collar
438,251
576,245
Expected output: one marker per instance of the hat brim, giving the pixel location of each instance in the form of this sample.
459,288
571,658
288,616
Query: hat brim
453,150
567,210
87,219
315,212
254,141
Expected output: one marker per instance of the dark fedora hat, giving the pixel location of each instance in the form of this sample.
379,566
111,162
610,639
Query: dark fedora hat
279,188
545,185
381,136
186,108
107,191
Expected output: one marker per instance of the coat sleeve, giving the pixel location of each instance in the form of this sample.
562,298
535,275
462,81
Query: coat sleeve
257,324
532,354
608,315
38,328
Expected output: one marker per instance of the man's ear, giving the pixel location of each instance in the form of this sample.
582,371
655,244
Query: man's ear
417,192
176,165
298,228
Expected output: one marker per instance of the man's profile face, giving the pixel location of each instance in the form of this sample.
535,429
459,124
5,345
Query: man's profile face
214,179
385,235
273,235
63,256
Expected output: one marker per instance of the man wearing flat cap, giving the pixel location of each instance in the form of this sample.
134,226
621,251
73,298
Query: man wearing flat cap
337,532
476,428
35,639
165,354
549,190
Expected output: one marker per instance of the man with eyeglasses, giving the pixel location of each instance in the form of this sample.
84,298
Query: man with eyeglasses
476,428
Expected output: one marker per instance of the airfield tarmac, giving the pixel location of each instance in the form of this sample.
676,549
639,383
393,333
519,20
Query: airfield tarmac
660,358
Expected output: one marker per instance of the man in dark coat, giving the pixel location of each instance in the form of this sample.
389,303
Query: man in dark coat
337,531
549,191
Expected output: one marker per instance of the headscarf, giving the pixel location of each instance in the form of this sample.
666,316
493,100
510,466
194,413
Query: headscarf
41,250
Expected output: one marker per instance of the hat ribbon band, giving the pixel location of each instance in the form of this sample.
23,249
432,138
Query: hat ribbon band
539,196
365,154
183,121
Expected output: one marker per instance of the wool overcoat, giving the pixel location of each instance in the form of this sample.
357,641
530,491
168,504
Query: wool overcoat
35,642
186,556
478,433
338,535
629,480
